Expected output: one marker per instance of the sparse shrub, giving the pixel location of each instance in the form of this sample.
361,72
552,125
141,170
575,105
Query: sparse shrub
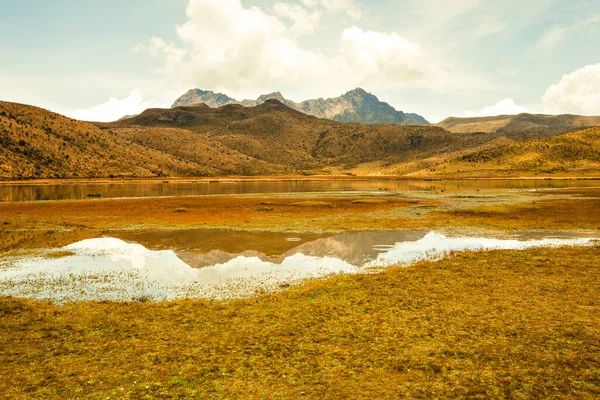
145,298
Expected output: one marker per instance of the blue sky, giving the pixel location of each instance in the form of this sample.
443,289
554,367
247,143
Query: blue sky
439,58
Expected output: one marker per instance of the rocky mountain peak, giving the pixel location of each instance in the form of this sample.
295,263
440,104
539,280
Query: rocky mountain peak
271,96
357,106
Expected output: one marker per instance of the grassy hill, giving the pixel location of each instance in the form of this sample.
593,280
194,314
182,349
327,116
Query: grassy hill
548,124
269,139
572,153
36,143
277,135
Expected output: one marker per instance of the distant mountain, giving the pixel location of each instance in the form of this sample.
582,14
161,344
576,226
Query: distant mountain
521,122
355,106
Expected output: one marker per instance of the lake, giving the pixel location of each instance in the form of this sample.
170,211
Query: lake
78,191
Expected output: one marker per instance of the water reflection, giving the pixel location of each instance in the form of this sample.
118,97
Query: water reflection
80,191
112,269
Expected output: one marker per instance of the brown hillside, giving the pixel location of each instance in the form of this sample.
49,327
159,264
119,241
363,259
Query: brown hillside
552,125
36,143
269,139
278,135
576,152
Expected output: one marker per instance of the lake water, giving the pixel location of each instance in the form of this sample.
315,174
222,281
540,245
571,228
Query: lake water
80,191
112,269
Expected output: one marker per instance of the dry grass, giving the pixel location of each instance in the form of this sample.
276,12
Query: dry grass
59,254
313,204
497,325
545,214
55,224
370,201
576,153
31,225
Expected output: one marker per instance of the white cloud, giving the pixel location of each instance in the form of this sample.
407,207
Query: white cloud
138,48
226,46
172,55
503,107
383,56
552,36
488,28
590,21
304,21
346,6
113,109
576,93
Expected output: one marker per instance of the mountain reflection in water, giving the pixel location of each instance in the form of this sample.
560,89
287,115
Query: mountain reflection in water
115,270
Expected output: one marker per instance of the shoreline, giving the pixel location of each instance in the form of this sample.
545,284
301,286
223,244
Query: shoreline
290,178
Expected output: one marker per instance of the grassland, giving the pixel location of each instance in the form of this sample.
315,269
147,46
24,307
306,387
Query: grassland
498,325
503,324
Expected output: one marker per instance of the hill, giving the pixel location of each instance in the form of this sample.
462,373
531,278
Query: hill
355,106
573,153
522,122
278,135
36,143
268,139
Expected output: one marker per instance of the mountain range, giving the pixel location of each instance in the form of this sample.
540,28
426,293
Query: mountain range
272,139
355,106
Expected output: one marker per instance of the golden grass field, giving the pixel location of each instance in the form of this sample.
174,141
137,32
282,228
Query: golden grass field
501,324
496,325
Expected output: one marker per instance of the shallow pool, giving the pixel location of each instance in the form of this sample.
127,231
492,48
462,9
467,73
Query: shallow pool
115,270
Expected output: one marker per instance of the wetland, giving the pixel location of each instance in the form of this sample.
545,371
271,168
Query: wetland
312,289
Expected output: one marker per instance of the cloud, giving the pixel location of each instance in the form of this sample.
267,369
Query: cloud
488,28
228,47
383,56
113,109
590,21
503,107
138,48
576,93
552,36
346,6
304,21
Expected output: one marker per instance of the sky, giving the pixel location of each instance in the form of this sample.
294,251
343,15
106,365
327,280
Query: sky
101,60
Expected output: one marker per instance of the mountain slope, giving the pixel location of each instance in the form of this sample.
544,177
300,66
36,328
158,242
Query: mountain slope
572,153
269,139
521,122
355,106
278,135
35,143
